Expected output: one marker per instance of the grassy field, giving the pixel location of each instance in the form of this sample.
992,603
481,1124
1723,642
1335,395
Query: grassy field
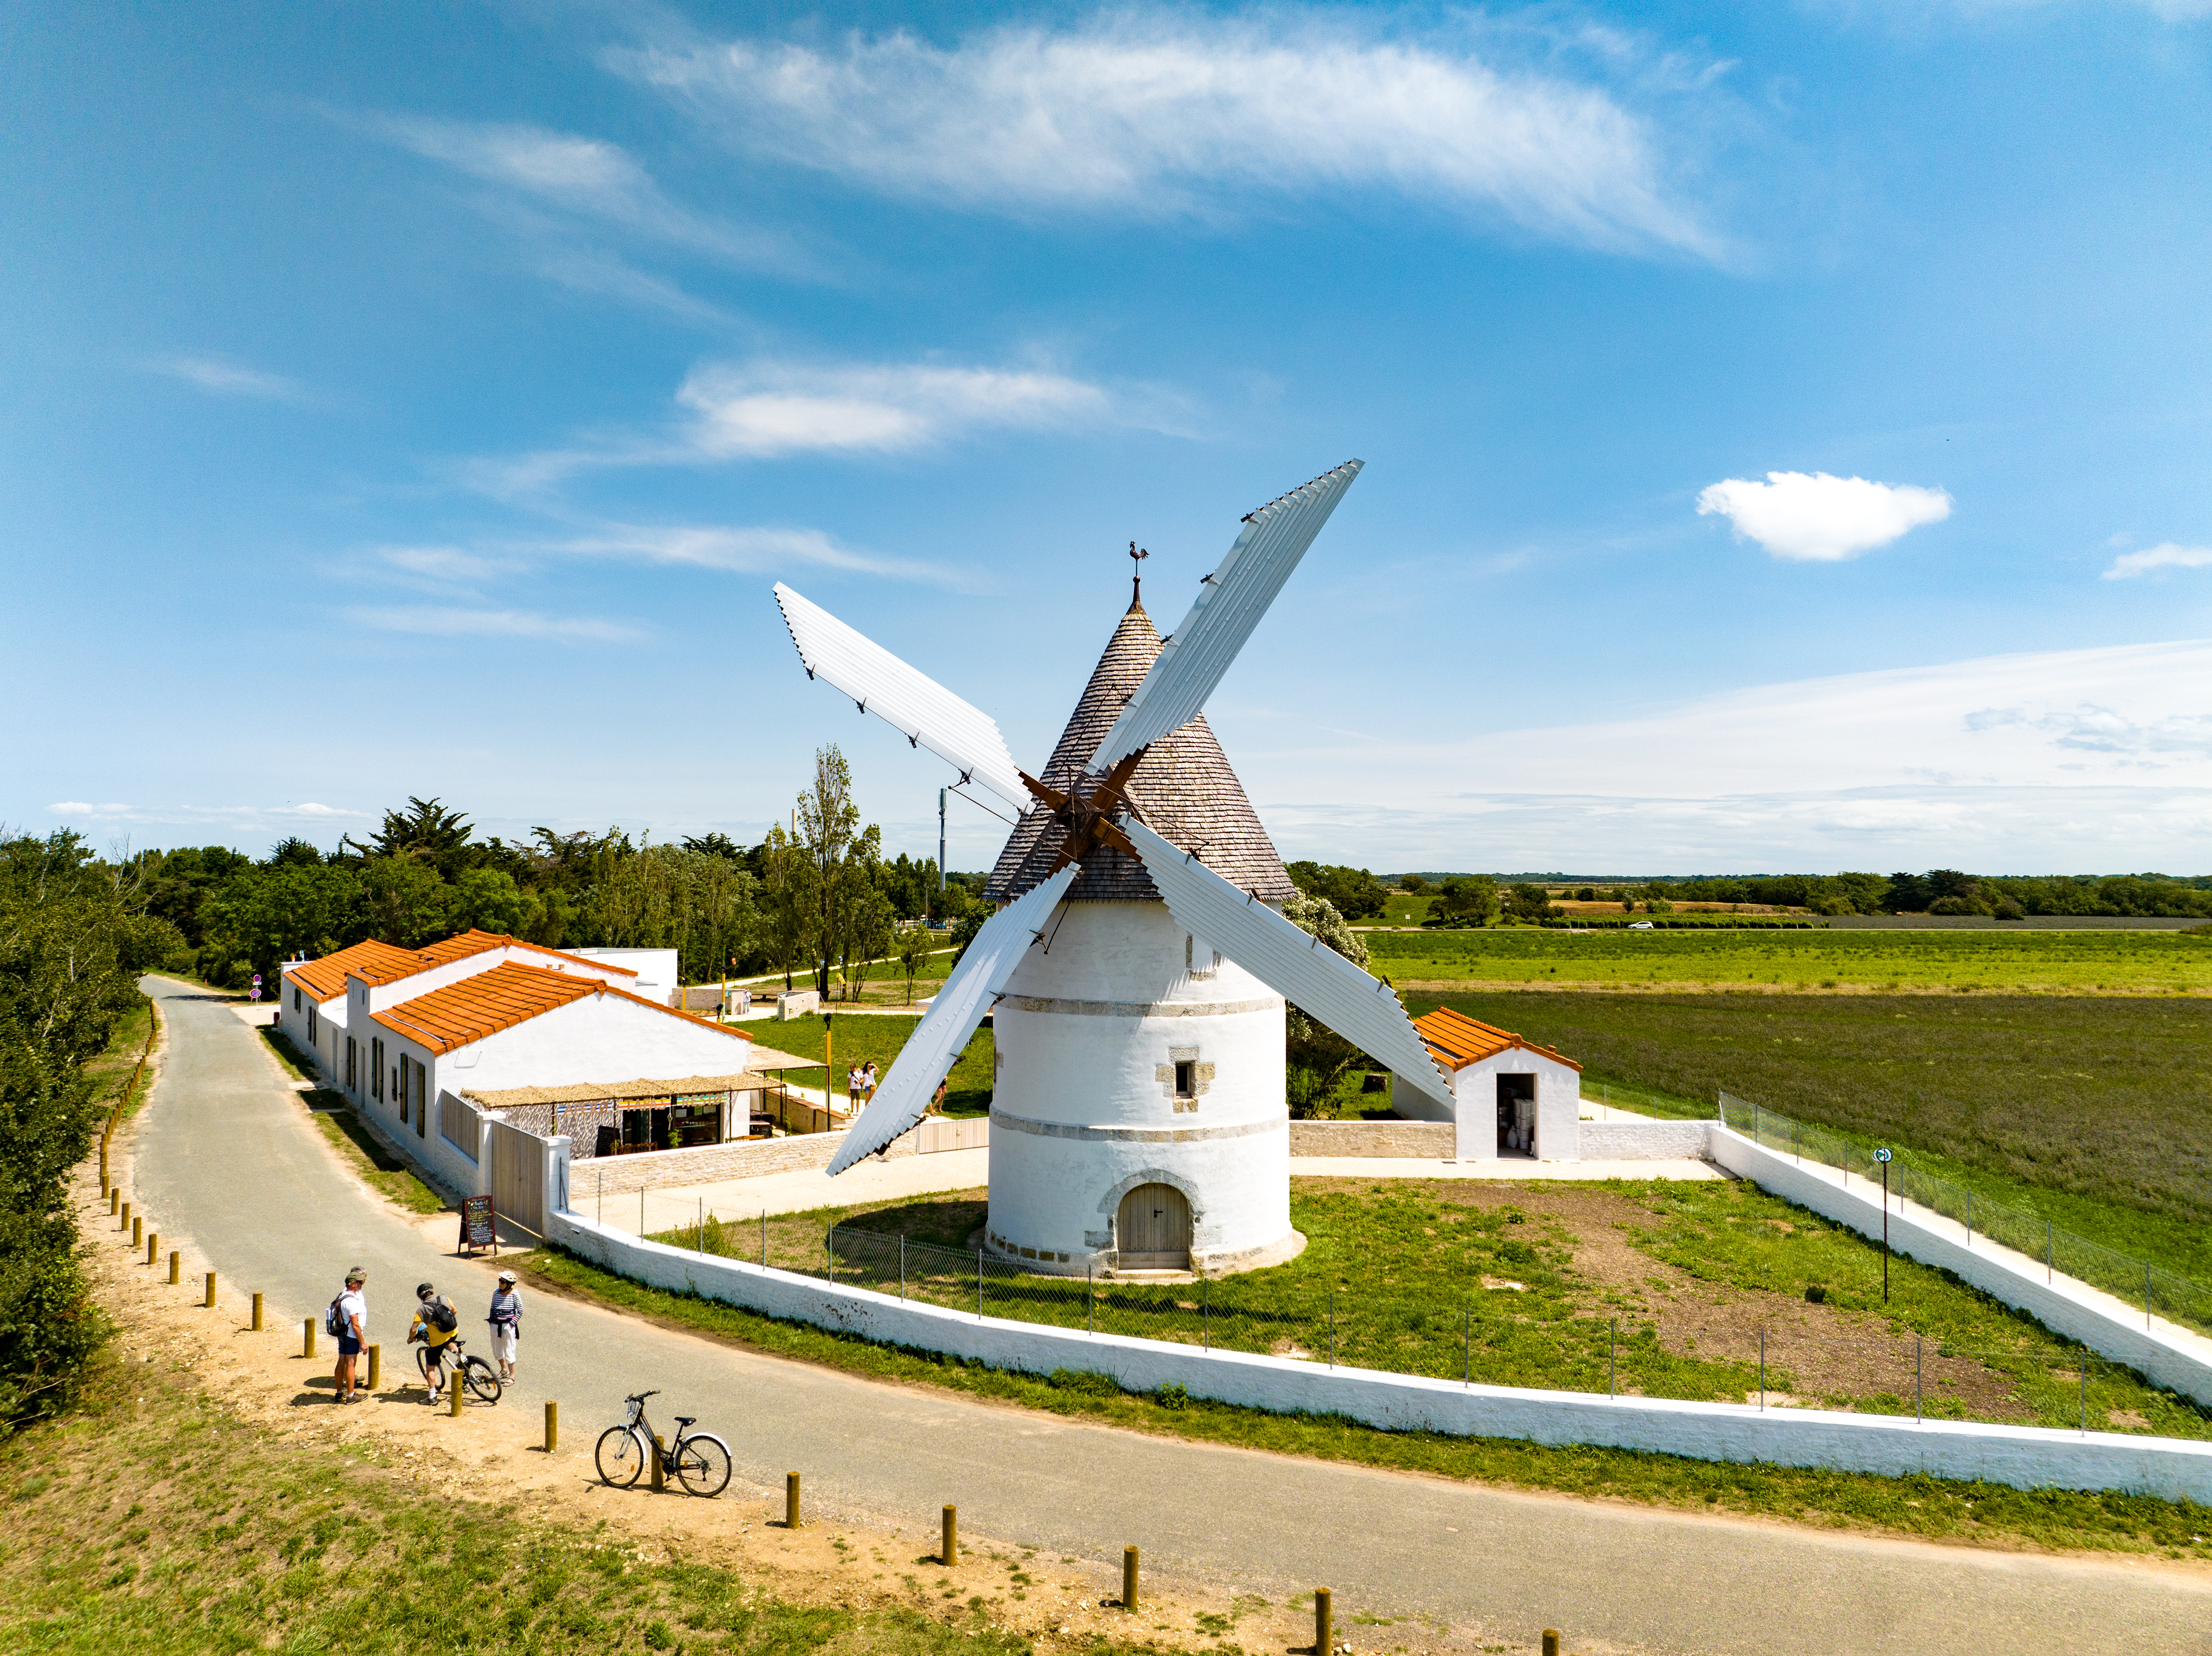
2093,1111
1662,1291
1919,1506
856,1039
159,1523
334,1118
2136,962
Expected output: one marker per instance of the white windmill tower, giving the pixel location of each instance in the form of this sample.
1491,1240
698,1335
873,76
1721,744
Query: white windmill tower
1140,964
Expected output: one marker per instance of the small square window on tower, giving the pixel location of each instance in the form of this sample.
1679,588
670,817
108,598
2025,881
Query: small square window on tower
1186,1079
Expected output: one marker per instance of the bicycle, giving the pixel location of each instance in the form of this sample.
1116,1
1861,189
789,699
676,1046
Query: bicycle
482,1378
699,1461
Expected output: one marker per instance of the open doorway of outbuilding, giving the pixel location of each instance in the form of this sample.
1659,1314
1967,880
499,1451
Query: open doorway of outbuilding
1517,1117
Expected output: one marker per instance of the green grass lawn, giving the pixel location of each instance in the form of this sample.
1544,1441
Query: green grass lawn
158,1524
2068,961
1921,1507
2093,1111
858,1037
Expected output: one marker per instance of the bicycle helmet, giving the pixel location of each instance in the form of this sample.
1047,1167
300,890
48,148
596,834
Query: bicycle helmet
423,1290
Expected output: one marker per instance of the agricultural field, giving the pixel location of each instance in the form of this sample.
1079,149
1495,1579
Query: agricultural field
1658,1291
2070,962
2094,1111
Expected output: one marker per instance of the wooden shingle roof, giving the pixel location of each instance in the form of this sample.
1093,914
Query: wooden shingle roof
1182,788
510,993
1458,1041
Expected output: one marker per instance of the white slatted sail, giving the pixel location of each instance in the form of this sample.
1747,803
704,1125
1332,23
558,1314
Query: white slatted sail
1230,605
928,1055
1324,985
918,707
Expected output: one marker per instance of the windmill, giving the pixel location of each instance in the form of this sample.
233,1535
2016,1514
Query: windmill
1139,964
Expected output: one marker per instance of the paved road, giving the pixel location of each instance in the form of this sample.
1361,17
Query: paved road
224,1155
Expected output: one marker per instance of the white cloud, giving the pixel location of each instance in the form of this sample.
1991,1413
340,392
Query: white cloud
2057,760
1817,518
439,620
1165,113
233,815
740,550
767,409
2168,556
221,377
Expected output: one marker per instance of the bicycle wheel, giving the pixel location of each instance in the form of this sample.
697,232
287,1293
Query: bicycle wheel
620,1457
702,1462
483,1379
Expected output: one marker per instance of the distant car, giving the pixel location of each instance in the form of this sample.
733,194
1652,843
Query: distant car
1641,925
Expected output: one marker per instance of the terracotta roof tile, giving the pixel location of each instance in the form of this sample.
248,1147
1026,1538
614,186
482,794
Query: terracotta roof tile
325,979
1182,788
510,993
1459,1040
459,946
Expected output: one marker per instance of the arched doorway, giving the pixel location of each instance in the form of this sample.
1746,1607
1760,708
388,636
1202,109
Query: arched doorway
1153,1229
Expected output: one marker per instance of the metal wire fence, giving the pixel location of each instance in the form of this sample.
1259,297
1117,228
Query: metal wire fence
2154,1291
1545,1345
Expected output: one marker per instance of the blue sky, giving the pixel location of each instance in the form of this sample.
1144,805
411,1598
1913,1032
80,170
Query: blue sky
1784,424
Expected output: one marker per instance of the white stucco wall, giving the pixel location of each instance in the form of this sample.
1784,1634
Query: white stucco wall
1084,1108
2023,1457
656,968
1474,1092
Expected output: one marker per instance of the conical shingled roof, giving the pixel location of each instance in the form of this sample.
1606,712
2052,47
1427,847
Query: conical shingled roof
1182,788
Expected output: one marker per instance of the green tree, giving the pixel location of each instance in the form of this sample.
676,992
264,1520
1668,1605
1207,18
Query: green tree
488,900
1527,902
1465,899
260,918
1412,883
407,904
1314,1057
1353,892
427,832
829,823
913,947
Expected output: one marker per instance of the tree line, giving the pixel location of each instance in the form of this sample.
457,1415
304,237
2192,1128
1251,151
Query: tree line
817,898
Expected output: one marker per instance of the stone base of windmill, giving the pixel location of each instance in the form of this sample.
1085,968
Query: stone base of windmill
1106,1265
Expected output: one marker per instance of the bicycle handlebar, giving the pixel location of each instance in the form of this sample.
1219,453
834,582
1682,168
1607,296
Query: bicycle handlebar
640,1397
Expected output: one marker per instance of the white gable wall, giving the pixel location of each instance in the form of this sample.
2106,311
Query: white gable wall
656,968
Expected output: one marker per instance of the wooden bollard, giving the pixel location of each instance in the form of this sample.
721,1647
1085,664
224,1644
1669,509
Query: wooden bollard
257,1312
209,1302
1550,1642
375,1366
137,1225
660,1479
1324,1623
948,1551
306,1336
1128,1578
114,1196
176,1266
791,1500
552,1426
455,1382
153,1246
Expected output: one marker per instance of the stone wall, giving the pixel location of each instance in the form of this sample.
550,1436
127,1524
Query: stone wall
1425,1141
710,1164
2024,1456
1645,1141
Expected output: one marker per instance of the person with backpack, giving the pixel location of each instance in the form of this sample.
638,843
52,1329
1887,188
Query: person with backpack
348,1320
435,1323
506,1323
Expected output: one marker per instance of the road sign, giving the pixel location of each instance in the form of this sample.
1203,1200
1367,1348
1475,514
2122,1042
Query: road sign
1881,1155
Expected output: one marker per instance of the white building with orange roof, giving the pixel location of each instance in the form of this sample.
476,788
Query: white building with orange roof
1512,1099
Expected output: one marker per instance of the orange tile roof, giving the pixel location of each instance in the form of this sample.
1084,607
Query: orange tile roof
1459,1040
325,979
510,993
459,946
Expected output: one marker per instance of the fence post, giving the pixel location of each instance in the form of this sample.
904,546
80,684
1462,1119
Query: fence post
114,1196
1332,1328
1613,1357
1550,1642
829,1254
763,1239
979,1284
552,1426
153,1246
1128,1578
1205,1313
1324,1632
641,1213
257,1311
375,1366
209,1302
702,1224
306,1336
1918,1346
459,1387
1466,1351
791,1500
1762,1369
948,1549
659,1476
902,1265
176,1266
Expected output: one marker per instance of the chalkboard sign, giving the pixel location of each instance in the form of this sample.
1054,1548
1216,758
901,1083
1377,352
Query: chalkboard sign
478,1224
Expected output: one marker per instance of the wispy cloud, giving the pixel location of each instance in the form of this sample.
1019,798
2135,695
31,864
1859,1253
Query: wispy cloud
743,550
2168,556
767,409
308,811
221,377
1818,519
1153,113
443,622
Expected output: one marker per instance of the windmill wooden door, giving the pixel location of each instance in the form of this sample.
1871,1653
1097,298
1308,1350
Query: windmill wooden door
1153,1229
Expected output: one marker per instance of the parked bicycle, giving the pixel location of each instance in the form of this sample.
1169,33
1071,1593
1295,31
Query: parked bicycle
699,1461
482,1378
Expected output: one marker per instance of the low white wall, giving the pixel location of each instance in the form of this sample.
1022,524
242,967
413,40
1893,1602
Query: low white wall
2024,1456
1644,1141
2062,1305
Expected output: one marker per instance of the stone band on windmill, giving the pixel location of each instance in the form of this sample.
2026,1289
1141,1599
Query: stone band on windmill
1139,962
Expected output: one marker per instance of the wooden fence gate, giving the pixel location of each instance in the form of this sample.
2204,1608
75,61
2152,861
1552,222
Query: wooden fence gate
518,1175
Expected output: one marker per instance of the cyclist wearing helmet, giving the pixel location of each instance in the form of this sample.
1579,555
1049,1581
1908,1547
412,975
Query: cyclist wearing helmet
435,1324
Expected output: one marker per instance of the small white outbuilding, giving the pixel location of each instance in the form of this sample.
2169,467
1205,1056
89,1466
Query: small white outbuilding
1512,1099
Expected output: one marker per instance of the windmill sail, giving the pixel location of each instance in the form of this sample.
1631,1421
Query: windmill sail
928,1054
1230,605
918,707
1364,1010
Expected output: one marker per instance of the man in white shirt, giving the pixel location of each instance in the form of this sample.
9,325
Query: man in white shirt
353,1332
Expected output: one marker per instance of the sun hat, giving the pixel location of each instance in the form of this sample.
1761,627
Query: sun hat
506,1275
355,1274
